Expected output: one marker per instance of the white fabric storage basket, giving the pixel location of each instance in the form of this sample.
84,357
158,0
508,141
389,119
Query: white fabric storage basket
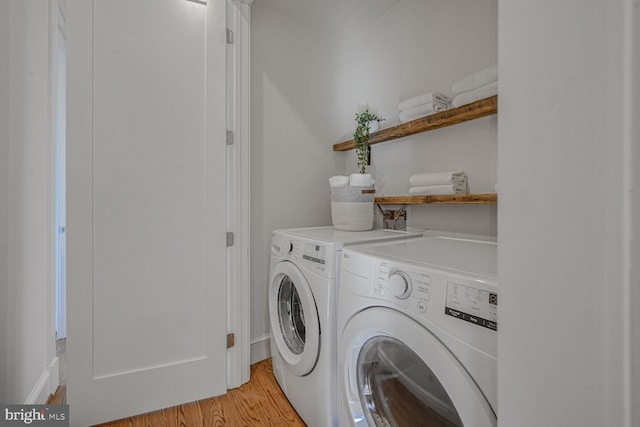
352,208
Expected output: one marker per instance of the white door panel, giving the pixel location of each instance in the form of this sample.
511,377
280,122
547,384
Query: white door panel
146,178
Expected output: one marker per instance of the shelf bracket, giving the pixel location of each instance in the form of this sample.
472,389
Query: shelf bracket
402,206
396,216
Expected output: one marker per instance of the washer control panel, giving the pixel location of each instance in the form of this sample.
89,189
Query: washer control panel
429,293
317,257
458,306
477,306
409,289
314,253
298,249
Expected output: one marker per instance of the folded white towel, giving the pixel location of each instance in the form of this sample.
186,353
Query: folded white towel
437,178
438,106
475,80
421,111
485,91
435,98
338,181
432,190
360,180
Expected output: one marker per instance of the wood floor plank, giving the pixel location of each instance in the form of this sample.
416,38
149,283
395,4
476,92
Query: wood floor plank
260,402
282,413
204,413
162,418
59,397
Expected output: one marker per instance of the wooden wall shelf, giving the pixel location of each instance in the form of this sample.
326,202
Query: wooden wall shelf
478,199
475,110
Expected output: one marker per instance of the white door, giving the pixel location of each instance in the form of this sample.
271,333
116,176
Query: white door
395,372
146,246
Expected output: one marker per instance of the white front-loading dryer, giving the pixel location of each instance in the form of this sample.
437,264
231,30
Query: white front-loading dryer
303,282
417,324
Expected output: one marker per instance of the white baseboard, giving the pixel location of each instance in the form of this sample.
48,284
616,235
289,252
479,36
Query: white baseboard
260,349
46,385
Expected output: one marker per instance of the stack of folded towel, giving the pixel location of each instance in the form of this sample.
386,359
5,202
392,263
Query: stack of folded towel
338,181
438,183
422,105
353,180
473,87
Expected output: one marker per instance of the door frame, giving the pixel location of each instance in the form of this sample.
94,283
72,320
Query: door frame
238,191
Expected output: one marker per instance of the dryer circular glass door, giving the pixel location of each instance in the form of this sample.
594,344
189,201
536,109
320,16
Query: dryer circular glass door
295,326
397,373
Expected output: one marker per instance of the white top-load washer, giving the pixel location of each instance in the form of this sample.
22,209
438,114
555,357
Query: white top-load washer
302,307
417,325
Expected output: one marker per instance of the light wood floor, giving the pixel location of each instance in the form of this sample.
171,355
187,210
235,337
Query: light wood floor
260,402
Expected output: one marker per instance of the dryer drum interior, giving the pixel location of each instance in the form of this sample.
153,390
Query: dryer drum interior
291,316
397,388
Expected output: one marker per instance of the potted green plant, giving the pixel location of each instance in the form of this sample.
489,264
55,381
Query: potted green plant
366,121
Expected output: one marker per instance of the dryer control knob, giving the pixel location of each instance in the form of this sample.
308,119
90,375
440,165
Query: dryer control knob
400,284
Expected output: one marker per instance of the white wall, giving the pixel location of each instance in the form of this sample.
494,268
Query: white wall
26,226
562,257
416,47
293,125
308,78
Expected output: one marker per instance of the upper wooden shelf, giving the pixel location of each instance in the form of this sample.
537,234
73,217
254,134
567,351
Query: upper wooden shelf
475,110
479,199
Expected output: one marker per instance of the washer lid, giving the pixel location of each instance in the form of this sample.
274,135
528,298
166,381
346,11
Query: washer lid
348,238
469,254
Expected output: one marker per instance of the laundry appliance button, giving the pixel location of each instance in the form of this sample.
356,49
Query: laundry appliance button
422,307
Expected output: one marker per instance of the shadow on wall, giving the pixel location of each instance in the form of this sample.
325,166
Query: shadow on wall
293,111
293,120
